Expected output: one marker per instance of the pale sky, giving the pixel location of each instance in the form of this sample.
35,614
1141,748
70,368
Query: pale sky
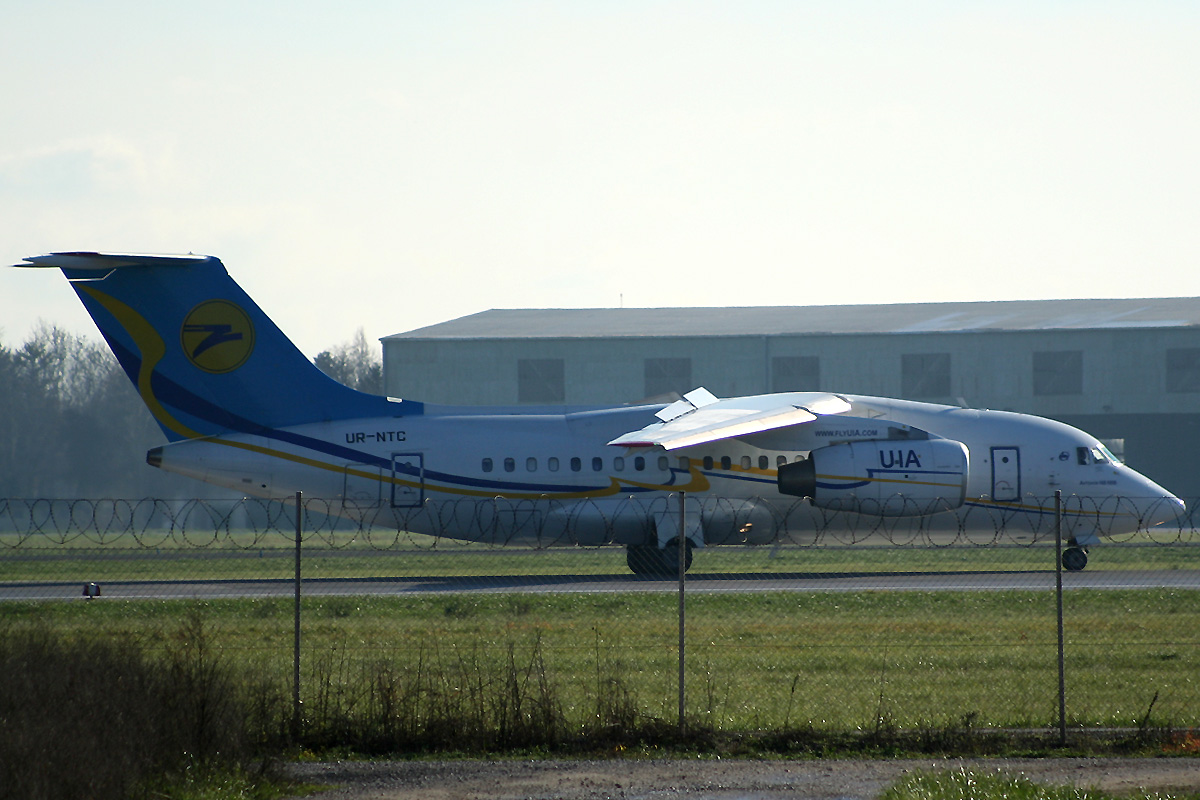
391,165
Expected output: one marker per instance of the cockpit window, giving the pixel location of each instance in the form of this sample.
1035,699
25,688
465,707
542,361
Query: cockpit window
1096,454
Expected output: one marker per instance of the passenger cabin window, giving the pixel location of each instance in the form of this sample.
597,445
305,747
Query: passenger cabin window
685,463
576,464
509,464
552,464
531,464
619,464
763,462
639,463
597,464
726,462
708,462
745,462
663,463
487,465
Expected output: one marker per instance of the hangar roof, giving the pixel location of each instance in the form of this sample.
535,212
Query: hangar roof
1006,315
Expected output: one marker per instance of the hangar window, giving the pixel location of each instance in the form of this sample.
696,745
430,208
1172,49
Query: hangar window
1183,369
666,375
487,465
795,373
1058,372
540,380
925,375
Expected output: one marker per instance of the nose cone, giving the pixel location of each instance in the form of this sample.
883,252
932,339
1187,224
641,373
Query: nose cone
1168,510
1156,506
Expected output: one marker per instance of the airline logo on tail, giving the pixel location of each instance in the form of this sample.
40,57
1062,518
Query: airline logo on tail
217,336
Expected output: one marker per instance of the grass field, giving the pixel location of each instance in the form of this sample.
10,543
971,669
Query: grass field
754,662
124,559
962,784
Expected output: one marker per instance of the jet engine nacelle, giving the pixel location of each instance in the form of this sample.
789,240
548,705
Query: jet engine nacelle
883,478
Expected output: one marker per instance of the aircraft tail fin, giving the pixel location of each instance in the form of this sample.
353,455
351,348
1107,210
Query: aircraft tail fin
202,355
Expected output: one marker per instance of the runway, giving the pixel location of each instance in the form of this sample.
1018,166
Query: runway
703,583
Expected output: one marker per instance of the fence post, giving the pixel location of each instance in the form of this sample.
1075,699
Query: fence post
1058,570
296,703
682,568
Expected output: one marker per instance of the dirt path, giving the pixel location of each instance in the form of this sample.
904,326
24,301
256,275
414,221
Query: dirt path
710,779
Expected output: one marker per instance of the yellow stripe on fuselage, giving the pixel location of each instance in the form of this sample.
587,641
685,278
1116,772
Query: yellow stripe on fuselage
697,482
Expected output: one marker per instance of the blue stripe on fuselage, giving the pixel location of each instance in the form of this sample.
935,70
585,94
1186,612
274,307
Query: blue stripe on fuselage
171,393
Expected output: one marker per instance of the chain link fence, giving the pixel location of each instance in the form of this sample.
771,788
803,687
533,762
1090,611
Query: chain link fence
810,620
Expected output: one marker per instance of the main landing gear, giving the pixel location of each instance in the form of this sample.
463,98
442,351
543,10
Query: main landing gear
654,562
1074,558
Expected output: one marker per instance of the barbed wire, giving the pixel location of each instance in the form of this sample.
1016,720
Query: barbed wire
335,523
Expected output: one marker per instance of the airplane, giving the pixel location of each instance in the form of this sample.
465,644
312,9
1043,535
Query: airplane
243,408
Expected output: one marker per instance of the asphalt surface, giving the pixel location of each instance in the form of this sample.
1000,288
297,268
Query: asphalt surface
711,583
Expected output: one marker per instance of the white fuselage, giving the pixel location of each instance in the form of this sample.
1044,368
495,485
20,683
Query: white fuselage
499,475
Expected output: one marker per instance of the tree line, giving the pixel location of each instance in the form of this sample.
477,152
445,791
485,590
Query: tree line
72,424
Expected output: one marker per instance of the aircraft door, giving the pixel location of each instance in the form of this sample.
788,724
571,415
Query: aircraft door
1006,474
361,485
408,480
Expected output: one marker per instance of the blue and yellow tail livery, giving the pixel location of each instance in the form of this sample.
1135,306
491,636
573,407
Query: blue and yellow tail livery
204,357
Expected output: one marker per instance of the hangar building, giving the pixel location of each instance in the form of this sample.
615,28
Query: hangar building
1127,371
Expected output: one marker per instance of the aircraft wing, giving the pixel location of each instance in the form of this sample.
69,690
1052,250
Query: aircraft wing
701,417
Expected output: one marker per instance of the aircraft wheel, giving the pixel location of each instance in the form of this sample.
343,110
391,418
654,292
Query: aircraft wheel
1074,559
670,558
643,559
648,560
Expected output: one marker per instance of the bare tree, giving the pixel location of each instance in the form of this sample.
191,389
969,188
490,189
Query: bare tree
72,424
355,364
